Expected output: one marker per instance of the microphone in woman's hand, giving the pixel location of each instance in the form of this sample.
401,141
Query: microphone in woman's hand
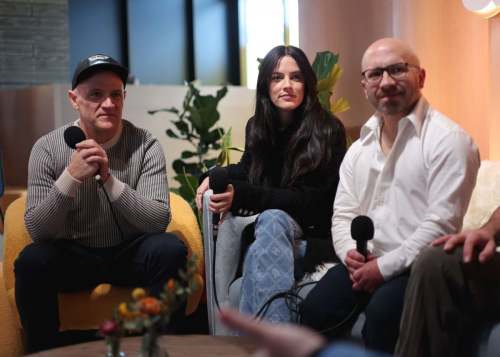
218,181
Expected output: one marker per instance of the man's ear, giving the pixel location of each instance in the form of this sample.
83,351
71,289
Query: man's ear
124,94
72,98
363,84
421,78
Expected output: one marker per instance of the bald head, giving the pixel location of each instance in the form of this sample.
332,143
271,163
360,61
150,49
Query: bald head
388,48
393,97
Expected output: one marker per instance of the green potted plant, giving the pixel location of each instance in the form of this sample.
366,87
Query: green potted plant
196,124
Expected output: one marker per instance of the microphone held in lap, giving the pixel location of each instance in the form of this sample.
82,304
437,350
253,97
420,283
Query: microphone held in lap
362,231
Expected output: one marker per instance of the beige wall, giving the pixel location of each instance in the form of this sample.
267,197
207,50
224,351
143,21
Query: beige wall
460,52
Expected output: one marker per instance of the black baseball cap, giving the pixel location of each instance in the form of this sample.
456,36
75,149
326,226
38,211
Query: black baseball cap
101,62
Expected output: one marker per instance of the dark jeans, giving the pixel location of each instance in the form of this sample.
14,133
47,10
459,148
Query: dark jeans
333,299
45,269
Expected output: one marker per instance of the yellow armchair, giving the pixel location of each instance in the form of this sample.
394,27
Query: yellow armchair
93,306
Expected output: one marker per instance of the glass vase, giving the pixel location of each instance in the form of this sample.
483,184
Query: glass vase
114,349
151,347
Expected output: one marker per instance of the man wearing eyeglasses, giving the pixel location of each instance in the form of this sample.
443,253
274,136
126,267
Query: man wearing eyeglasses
412,172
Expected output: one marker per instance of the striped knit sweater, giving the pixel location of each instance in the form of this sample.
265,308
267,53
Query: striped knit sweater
60,207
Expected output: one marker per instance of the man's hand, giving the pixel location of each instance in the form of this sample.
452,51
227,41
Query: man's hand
88,159
368,277
482,239
282,341
355,260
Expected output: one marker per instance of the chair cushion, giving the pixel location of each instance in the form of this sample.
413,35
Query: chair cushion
89,308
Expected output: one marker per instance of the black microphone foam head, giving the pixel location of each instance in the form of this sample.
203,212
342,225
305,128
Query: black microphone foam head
73,135
362,228
218,179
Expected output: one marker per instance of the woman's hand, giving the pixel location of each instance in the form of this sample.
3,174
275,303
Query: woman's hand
222,202
199,193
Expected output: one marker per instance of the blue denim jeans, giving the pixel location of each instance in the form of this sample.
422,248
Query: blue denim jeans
269,265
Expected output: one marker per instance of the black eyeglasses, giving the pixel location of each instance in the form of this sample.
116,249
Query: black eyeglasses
396,71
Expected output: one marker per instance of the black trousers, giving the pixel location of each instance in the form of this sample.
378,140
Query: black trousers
45,269
332,301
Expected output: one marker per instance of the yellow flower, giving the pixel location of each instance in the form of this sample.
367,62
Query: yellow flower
138,294
125,312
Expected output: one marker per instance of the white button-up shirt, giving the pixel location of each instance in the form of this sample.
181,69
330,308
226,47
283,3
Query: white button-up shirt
416,194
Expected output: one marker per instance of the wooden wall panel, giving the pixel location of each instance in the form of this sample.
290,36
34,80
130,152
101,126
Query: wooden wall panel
460,52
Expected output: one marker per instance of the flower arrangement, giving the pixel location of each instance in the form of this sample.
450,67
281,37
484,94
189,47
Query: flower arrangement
142,313
112,332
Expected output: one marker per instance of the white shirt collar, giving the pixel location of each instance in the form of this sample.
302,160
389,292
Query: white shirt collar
416,117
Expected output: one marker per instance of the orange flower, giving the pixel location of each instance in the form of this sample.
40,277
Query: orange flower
171,285
150,306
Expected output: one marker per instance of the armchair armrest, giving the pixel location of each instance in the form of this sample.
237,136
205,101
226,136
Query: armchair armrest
226,262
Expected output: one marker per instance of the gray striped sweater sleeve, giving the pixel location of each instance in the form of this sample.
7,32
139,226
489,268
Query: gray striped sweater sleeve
143,207
138,190
46,206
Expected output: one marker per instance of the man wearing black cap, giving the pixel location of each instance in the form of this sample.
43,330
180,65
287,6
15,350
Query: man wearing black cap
80,239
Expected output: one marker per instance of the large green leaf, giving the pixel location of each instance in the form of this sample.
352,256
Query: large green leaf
339,106
195,119
212,137
209,162
227,139
188,154
188,184
208,116
180,165
324,99
209,101
171,134
182,126
192,92
221,159
171,110
324,63
204,101
237,148
221,93
331,80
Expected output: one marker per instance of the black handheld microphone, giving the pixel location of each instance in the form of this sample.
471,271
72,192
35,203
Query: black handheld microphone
218,180
362,231
74,135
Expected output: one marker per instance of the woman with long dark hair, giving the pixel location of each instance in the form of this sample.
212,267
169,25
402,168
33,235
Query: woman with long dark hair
288,175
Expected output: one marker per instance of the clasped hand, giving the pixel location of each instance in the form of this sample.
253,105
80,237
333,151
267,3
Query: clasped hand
89,158
366,276
219,203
